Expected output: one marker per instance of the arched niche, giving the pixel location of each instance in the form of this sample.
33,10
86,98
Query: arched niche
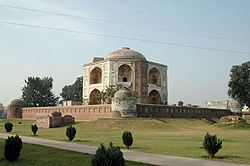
96,76
154,77
94,97
124,73
154,97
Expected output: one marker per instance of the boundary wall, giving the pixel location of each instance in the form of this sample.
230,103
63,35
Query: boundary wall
93,112
164,111
80,112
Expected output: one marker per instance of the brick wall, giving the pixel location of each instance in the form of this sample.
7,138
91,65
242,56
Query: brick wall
89,112
93,112
163,111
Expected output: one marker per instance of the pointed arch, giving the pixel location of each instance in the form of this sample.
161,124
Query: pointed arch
96,76
124,73
154,97
94,98
154,76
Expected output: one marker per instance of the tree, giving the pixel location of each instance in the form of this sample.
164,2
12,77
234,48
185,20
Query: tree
73,92
71,132
127,139
12,148
8,126
180,103
108,156
38,92
239,83
34,129
108,94
211,144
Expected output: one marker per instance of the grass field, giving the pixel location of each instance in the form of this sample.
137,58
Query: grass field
35,155
178,137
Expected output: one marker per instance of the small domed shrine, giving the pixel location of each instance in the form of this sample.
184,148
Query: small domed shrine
124,103
15,109
130,69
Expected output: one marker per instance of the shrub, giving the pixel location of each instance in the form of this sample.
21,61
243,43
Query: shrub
212,145
180,103
34,129
12,148
8,126
127,138
111,156
71,132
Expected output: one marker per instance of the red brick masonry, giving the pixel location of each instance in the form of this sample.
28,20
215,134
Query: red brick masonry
93,112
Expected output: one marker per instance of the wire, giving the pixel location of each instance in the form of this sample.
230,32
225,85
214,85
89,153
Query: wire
127,38
124,23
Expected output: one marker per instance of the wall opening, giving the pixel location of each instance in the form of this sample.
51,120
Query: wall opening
94,97
154,97
124,73
154,77
96,76
124,79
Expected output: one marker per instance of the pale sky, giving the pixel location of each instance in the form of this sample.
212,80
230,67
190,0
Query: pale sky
195,75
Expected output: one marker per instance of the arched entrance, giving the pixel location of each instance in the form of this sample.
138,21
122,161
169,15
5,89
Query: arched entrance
96,76
154,77
94,97
124,73
154,97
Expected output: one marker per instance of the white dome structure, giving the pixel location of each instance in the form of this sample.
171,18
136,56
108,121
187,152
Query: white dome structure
130,69
125,103
125,53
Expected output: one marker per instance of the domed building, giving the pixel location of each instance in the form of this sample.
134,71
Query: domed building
129,68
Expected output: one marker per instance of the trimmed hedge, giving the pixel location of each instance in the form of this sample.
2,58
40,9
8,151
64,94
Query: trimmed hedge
127,139
111,156
8,126
12,148
34,129
212,145
71,132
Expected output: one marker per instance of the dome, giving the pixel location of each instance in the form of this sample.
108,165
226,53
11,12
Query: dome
17,102
123,93
125,53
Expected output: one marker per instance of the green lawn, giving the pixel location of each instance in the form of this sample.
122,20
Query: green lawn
36,155
178,137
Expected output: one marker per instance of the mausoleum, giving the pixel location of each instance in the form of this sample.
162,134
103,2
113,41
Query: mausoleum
129,68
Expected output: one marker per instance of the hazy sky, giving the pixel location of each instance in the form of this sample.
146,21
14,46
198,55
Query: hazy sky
195,75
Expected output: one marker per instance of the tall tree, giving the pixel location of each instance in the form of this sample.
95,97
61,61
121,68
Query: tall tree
38,92
239,83
73,92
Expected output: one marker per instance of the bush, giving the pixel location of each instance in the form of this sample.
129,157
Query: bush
71,132
111,156
212,145
127,138
12,148
180,103
8,126
34,129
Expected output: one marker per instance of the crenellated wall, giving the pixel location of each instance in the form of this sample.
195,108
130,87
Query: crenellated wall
164,111
80,113
93,112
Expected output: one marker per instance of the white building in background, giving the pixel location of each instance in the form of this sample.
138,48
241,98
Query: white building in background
218,104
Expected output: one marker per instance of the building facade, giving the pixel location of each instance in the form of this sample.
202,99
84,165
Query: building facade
129,68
